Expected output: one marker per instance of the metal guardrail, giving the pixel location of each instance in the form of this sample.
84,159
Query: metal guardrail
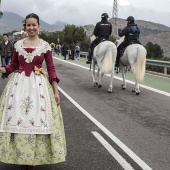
84,54
160,63
164,64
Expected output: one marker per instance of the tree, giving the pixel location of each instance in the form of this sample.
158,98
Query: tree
85,44
73,34
154,51
70,34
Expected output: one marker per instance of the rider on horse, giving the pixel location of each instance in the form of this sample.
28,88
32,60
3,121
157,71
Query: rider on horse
102,31
131,33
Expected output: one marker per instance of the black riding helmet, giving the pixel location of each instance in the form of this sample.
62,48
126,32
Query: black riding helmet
130,19
104,16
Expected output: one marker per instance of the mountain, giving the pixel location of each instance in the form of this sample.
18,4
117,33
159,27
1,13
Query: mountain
11,21
60,25
150,32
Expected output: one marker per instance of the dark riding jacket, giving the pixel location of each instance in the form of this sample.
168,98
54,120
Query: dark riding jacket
103,29
131,33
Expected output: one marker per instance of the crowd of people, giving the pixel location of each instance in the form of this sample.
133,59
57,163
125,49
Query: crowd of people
71,51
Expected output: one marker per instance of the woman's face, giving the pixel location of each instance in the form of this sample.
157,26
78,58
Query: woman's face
32,27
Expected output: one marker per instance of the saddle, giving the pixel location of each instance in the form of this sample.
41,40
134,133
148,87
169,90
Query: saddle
101,40
124,48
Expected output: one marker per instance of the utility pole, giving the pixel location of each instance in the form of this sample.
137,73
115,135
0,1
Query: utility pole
114,19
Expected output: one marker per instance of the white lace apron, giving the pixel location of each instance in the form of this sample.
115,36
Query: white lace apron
28,112
27,107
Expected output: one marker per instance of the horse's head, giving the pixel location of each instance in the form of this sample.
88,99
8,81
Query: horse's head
92,38
119,41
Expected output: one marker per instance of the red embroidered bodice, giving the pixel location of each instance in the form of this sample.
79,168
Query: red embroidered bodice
25,59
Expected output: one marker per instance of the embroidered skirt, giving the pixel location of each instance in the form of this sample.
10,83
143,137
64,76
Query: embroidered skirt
32,130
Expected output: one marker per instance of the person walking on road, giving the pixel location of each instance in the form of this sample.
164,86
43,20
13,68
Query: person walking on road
31,124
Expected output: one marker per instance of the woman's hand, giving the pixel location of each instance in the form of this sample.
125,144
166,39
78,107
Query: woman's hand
56,93
57,98
2,70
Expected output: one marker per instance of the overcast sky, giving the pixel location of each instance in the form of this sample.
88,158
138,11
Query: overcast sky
84,12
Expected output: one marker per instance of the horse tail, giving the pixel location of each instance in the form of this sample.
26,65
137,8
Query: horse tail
107,66
140,64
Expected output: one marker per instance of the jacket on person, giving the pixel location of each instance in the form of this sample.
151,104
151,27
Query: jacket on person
103,29
64,49
131,33
6,50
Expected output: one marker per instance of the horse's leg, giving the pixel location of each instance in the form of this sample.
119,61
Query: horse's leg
100,78
98,75
94,74
136,88
111,82
124,77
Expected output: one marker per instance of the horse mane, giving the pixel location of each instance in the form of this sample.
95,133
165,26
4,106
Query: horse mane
119,41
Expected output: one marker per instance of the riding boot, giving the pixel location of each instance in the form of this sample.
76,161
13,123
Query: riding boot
89,57
117,59
117,62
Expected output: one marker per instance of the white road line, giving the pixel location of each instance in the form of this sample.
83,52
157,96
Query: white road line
113,152
131,154
118,78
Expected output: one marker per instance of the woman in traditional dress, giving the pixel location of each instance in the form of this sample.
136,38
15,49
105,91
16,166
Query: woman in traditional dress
31,124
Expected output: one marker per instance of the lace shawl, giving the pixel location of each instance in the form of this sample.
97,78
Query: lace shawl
42,47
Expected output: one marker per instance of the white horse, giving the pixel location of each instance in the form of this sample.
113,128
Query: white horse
135,57
104,56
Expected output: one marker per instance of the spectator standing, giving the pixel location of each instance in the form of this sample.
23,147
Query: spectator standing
72,48
64,50
77,51
58,49
6,48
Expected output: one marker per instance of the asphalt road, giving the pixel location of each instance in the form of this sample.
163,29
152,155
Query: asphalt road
137,128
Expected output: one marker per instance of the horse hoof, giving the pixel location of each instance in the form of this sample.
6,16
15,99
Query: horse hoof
123,88
99,86
95,84
109,91
137,93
